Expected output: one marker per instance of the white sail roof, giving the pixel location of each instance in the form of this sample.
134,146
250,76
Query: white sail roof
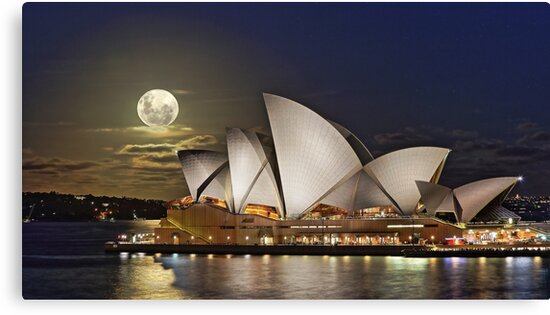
358,192
252,178
433,195
396,173
473,197
200,167
312,155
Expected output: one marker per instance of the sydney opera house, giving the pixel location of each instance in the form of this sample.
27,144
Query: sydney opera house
312,181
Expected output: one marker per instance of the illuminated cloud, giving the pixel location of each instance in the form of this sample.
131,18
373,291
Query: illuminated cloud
117,176
164,148
172,131
149,162
181,91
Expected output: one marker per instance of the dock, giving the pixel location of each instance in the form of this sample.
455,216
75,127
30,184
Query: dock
479,252
340,250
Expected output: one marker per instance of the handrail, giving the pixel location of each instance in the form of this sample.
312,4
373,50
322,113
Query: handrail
186,230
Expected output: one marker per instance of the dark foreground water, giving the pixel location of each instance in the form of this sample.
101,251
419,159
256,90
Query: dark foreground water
66,261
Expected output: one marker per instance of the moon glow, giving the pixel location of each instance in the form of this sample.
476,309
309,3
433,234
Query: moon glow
157,108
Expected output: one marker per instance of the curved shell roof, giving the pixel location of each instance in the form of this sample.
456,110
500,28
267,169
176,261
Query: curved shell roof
220,186
396,173
200,166
438,198
342,196
473,197
251,176
264,191
358,192
360,149
312,155
369,194
433,195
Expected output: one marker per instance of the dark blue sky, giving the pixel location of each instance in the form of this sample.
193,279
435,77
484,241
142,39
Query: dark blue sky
471,77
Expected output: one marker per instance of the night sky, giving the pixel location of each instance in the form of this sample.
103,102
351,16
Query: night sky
471,77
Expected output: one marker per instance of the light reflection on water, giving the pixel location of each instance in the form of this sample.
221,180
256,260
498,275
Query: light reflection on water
55,269
356,277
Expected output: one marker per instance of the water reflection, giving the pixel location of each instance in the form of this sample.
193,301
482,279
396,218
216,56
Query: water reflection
54,269
141,278
355,277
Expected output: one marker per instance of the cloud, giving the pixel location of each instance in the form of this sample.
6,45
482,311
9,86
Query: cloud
407,136
517,151
172,131
534,137
197,141
159,157
46,172
540,136
136,149
155,178
181,91
61,174
527,126
57,164
225,100
152,163
168,148
118,175
477,144
464,134
162,158
532,134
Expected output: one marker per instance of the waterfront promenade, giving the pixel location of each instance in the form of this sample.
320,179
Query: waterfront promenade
495,250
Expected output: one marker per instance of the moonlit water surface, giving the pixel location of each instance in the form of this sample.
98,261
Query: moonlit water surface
66,261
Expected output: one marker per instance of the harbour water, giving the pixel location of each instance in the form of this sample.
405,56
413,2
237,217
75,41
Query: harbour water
67,261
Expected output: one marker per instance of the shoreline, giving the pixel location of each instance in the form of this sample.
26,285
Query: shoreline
340,250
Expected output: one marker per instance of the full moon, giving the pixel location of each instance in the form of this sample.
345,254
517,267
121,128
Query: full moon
157,108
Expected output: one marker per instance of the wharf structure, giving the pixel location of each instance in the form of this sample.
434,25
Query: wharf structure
311,181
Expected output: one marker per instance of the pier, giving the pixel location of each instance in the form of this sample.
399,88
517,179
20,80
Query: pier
341,250
379,250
